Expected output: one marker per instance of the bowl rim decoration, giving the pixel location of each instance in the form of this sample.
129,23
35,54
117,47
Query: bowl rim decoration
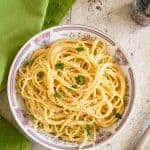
41,39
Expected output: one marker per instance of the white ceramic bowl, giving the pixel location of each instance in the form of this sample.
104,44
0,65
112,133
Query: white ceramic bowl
43,39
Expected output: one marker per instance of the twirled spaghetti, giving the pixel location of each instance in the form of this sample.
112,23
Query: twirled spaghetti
72,89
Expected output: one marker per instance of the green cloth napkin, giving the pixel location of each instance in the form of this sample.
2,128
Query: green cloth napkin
10,138
19,21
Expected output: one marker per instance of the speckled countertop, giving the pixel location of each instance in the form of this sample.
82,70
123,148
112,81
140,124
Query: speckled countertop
113,17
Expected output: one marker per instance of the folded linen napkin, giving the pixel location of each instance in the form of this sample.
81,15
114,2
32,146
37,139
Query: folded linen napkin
19,21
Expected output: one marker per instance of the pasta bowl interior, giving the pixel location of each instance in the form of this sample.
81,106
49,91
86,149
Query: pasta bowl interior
70,86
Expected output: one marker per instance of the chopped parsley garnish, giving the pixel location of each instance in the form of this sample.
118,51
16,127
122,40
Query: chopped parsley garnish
40,75
87,129
106,74
74,86
57,94
80,79
80,49
118,115
60,66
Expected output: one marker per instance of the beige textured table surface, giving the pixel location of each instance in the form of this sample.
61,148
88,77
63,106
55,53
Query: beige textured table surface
113,17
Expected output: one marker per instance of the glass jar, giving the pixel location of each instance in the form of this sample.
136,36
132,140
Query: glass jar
141,12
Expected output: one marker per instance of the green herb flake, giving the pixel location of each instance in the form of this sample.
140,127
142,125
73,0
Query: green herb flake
40,75
118,115
106,74
80,79
74,86
87,129
57,94
80,49
60,66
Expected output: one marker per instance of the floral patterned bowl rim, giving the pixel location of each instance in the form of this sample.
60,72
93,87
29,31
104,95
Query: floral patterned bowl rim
43,39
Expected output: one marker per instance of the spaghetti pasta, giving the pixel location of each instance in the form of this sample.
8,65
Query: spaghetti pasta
72,89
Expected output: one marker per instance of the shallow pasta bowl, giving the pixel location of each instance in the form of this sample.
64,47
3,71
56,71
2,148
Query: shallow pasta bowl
43,39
